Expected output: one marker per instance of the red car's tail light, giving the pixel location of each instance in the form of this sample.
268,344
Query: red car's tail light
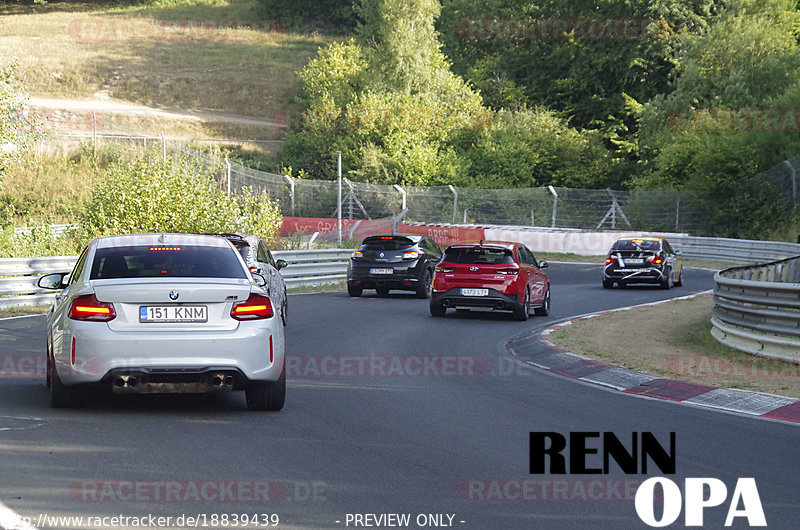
441,268
88,307
256,307
357,254
411,254
507,271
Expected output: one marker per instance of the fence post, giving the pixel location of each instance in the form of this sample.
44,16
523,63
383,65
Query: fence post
291,185
228,174
677,209
555,204
455,201
163,148
401,190
94,134
339,200
794,181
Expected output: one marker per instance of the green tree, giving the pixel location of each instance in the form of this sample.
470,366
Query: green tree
18,128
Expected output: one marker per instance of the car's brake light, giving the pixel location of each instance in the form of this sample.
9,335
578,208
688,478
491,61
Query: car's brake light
253,269
440,268
611,259
88,307
257,306
411,254
164,249
507,271
655,259
357,254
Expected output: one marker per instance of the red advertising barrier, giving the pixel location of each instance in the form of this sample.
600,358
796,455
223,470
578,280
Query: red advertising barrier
359,229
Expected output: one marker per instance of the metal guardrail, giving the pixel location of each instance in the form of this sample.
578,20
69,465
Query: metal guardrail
737,251
758,309
19,276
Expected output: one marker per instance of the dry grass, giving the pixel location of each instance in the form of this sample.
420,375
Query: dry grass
673,340
70,50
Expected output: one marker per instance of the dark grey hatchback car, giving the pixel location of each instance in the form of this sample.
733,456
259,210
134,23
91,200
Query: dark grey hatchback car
399,261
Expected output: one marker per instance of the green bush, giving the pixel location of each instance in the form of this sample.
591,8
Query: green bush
148,196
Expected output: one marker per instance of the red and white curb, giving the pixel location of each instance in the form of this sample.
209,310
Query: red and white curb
629,381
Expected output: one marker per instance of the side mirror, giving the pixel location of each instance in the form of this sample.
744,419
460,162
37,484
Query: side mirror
53,281
677,252
543,264
281,264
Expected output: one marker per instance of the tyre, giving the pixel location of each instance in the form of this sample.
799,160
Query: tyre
522,312
545,309
285,309
666,281
354,290
608,284
61,395
267,396
382,291
679,279
437,309
424,288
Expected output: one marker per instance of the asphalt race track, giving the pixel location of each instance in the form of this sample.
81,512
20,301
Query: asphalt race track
389,411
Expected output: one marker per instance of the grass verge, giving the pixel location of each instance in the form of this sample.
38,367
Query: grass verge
673,340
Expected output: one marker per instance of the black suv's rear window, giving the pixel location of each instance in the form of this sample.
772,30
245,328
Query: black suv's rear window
478,256
166,261
386,243
637,244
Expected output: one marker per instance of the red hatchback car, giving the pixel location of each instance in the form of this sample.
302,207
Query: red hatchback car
493,276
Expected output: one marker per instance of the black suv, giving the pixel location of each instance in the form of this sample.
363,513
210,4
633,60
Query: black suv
399,261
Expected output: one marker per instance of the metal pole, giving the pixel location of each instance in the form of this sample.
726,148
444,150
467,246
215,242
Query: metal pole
94,133
677,208
455,201
555,204
291,185
401,190
163,148
794,181
339,210
532,223
228,175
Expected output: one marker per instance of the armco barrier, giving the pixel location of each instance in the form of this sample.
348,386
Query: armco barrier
19,276
758,309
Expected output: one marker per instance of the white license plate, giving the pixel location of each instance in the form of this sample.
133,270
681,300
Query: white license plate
381,271
475,292
632,261
173,313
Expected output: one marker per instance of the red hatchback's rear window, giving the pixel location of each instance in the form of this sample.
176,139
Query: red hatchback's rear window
478,256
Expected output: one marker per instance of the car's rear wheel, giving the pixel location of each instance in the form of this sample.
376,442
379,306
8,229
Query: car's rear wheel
666,279
382,291
679,279
608,284
522,312
61,395
267,396
438,309
545,309
424,288
354,290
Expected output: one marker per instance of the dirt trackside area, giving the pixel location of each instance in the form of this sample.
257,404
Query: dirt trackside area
673,340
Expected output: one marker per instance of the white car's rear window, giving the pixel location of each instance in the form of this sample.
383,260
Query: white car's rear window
146,261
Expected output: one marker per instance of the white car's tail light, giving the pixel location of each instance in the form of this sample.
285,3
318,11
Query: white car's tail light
88,307
256,307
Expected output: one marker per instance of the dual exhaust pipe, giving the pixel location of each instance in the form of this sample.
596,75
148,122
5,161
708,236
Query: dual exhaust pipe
209,383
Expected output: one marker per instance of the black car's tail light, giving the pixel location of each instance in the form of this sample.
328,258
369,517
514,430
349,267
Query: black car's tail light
357,254
656,260
411,254
88,307
257,306
611,259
